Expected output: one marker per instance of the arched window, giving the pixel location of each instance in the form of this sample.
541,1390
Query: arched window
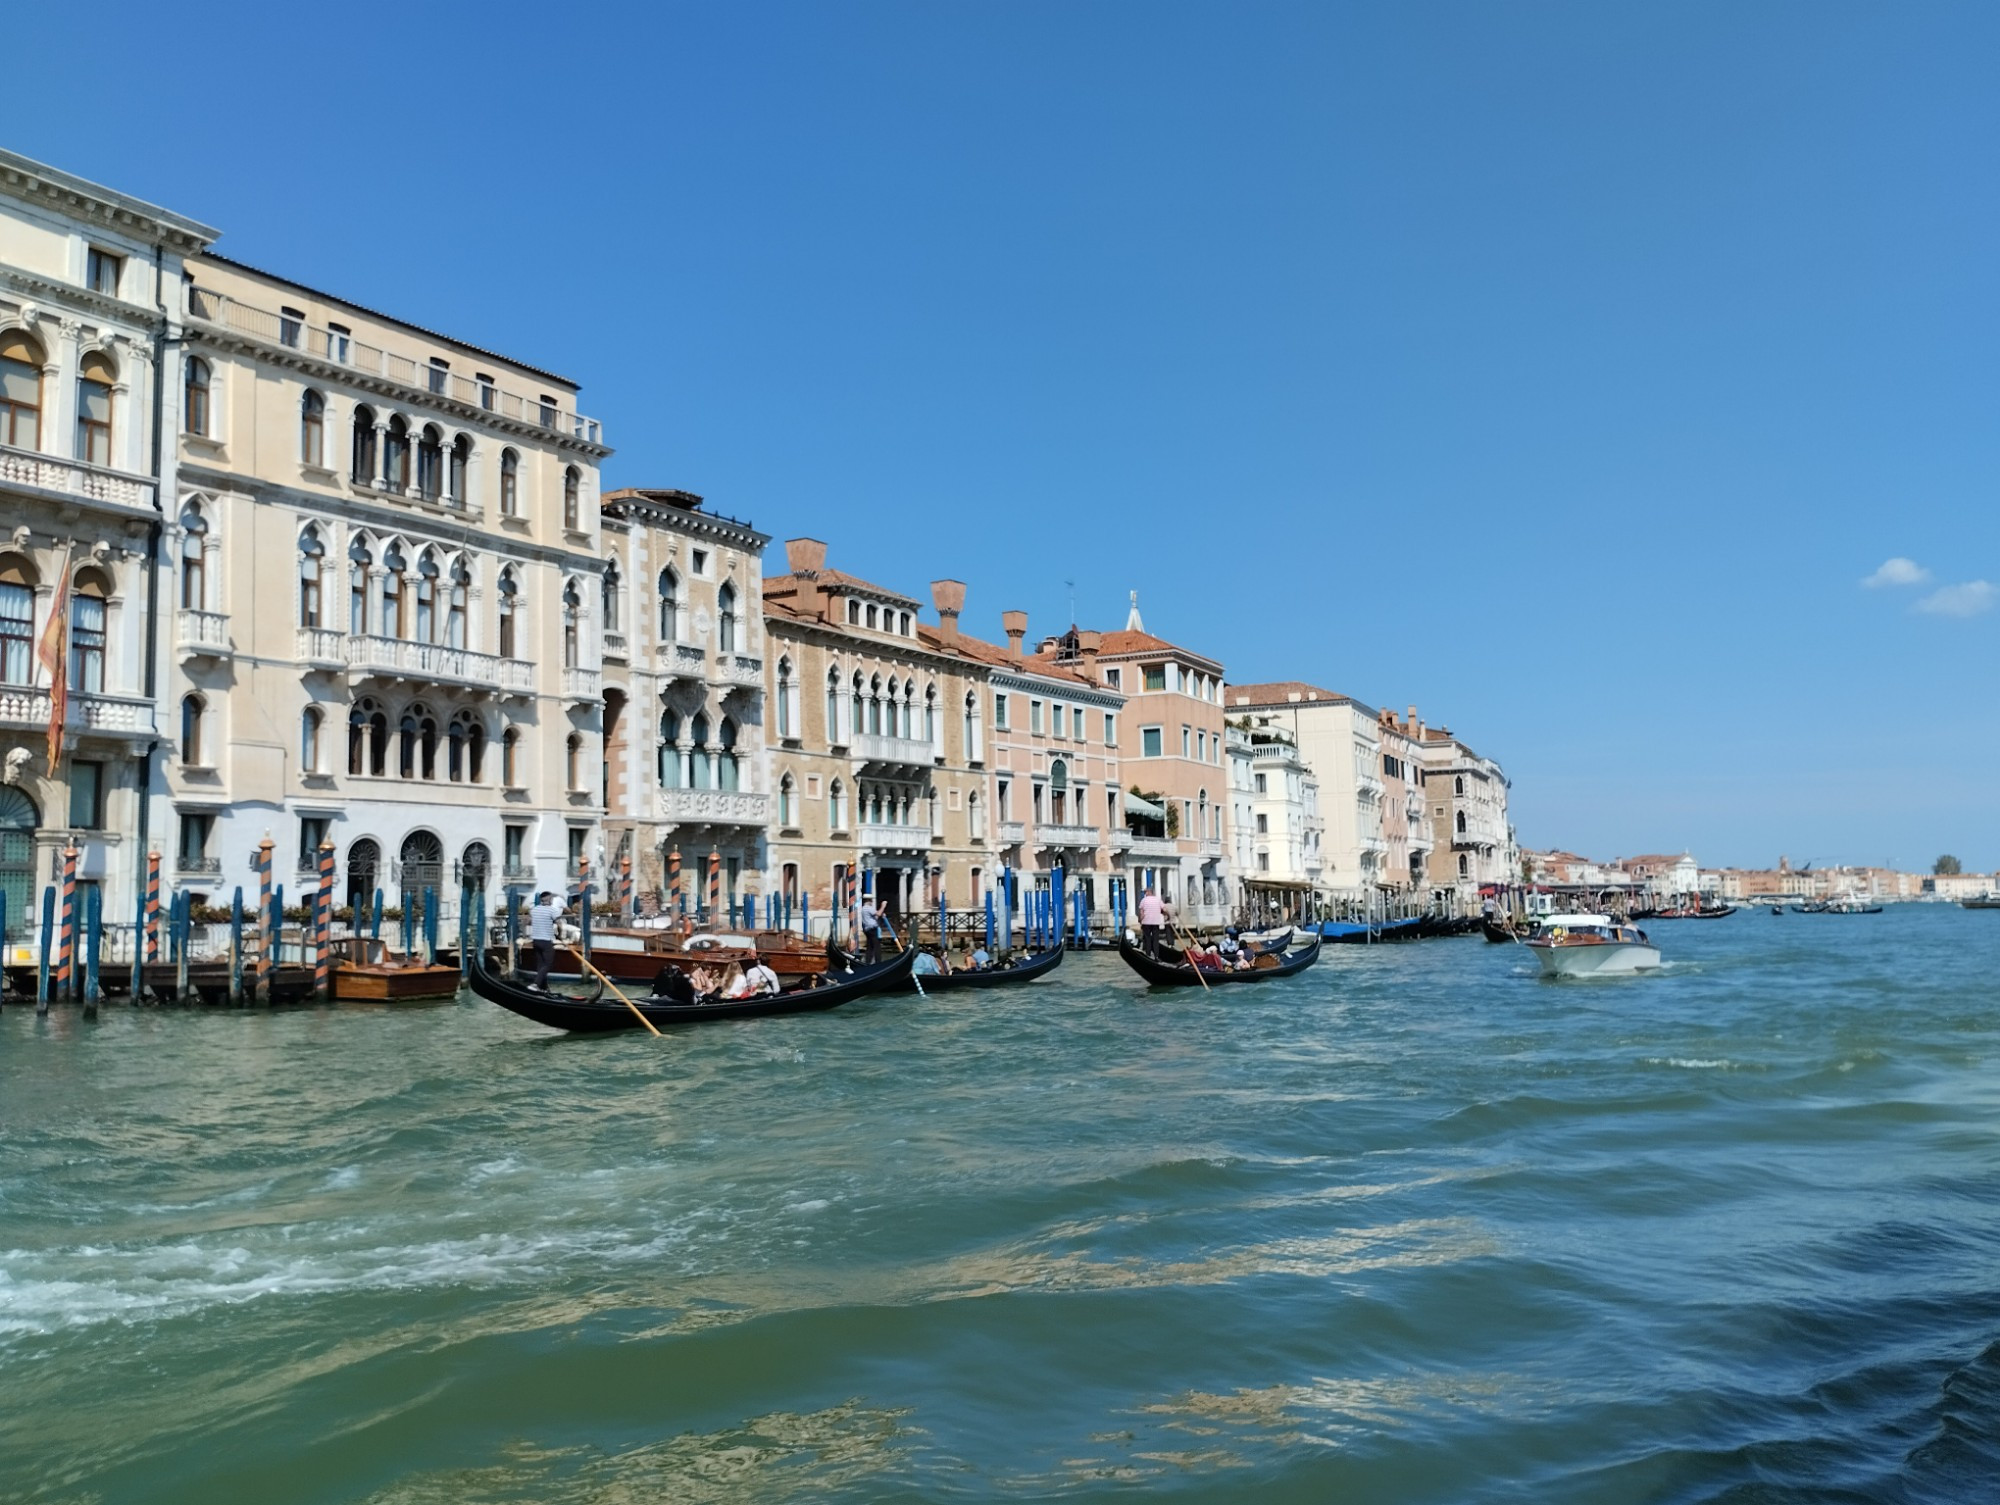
312,429
875,707
475,752
389,622
907,726
426,593
975,817
430,462
725,619
454,746
311,720
95,380
611,583
89,621
833,737
18,579
461,462
311,553
364,862
194,571
788,815
194,403
510,757
836,807
670,750
572,498
725,761
406,745
396,456
698,753
1458,786
1461,822
572,640
193,712
364,446
21,362
454,616
367,738
359,559
422,863
509,614
510,483
858,704
973,751
475,864
1464,866
933,733
573,761
427,744
670,606
785,688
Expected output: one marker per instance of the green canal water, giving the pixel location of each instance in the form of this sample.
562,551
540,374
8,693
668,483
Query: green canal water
1415,1226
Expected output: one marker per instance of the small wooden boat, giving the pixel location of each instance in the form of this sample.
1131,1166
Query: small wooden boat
1499,935
367,973
1718,912
1028,969
1267,943
597,1014
1163,973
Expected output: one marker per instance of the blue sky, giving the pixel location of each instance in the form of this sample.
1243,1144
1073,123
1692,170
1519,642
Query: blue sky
1561,369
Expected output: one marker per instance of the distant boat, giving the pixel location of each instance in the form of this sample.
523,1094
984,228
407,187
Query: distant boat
1984,901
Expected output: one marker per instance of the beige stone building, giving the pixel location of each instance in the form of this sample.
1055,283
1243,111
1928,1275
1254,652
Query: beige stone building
1341,741
878,742
1407,834
385,588
1467,798
85,273
685,707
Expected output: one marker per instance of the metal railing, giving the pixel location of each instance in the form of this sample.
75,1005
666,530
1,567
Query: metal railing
338,348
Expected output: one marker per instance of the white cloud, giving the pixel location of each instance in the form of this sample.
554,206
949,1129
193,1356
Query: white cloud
1898,571
1967,600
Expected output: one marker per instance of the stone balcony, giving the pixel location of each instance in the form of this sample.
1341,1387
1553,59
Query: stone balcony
742,671
1012,833
1119,841
73,481
682,660
197,865
1154,848
721,807
901,752
202,634
370,657
583,684
25,706
893,838
1066,836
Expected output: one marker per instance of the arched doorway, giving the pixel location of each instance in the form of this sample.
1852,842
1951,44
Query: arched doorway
18,819
420,864
364,863
475,865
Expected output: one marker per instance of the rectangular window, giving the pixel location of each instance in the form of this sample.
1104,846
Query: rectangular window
1034,716
1149,741
93,422
1201,746
578,836
854,613
440,374
1110,730
101,272
486,392
86,644
194,837
1114,678
291,327
1184,742
1036,794
1263,824
871,616
17,634
1260,784
548,412
1184,681
1002,800
312,836
339,343
1156,676
86,796
1000,713
1076,722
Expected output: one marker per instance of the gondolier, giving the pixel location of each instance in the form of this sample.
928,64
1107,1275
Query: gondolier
1151,911
871,929
542,931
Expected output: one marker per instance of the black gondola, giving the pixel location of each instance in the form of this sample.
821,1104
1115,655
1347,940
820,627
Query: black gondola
1499,935
1039,965
1163,974
597,1015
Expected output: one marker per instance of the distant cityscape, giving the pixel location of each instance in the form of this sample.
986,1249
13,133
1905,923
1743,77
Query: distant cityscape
1664,876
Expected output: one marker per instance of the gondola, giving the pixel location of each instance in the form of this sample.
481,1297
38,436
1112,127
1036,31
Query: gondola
1498,934
1041,964
1275,943
1162,974
597,1014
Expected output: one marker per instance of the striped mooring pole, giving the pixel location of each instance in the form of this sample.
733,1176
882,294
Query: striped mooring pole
152,906
66,942
264,936
714,886
674,884
323,927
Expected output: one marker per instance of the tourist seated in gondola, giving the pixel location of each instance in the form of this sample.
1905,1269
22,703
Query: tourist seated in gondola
736,984
705,983
980,960
1229,946
927,964
762,979
671,985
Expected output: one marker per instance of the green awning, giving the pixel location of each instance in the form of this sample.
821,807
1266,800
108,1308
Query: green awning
1134,805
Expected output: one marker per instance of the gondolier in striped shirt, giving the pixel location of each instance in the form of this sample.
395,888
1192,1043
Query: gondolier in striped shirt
542,931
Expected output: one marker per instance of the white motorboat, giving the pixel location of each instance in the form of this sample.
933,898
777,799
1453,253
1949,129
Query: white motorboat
1592,945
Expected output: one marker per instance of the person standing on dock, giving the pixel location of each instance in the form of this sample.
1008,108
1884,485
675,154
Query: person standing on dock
542,931
1151,912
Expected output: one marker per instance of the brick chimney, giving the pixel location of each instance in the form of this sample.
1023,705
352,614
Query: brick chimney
1016,625
1089,643
806,558
949,598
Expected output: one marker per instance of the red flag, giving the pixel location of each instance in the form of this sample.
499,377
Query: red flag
54,654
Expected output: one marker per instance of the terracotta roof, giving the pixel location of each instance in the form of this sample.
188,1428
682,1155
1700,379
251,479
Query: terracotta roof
788,584
1127,641
1280,692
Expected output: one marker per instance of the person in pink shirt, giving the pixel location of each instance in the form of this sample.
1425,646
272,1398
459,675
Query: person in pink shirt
1151,912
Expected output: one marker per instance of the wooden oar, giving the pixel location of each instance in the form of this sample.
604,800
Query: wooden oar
1189,954
899,946
615,988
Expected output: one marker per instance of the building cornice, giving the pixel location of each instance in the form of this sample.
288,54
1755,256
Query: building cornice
727,530
833,637
63,193
1027,681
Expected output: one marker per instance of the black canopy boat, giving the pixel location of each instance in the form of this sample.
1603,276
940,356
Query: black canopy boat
1178,974
1040,964
597,1014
